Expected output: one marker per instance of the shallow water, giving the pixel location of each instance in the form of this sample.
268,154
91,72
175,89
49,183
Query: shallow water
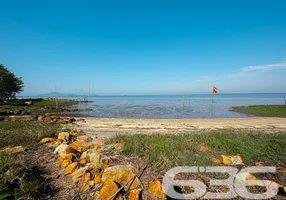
175,106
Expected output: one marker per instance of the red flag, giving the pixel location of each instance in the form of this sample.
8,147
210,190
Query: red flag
215,90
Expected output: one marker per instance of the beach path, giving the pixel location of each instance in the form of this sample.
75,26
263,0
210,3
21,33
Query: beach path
108,127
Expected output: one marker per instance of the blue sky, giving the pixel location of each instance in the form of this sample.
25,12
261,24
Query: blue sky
145,47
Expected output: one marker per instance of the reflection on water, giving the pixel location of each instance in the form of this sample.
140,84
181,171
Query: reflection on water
189,106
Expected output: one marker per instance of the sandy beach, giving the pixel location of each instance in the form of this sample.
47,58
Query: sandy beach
107,127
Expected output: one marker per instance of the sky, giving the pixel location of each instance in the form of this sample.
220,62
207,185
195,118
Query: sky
132,47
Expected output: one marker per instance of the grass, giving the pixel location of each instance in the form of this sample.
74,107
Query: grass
166,151
19,178
262,110
40,106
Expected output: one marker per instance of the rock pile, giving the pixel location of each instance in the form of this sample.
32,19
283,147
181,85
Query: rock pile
86,160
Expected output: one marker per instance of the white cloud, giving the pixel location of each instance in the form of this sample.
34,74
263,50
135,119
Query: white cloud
265,68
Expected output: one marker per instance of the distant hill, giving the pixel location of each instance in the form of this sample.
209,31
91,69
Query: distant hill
57,94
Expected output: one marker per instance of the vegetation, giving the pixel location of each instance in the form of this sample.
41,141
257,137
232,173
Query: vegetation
166,151
39,106
10,84
262,110
20,178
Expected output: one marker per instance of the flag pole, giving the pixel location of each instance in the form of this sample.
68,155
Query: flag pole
213,104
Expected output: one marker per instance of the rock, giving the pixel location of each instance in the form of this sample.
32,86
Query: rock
63,135
61,149
156,190
119,145
95,158
80,146
216,161
97,179
135,194
96,195
85,182
52,117
91,183
17,112
47,140
83,138
24,112
99,142
79,173
84,155
16,149
41,118
231,160
71,168
65,160
98,149
28,103
72,120
2,118
119,174
205,148
136,184
82,162
109,188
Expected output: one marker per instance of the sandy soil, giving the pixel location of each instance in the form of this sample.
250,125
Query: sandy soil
107,127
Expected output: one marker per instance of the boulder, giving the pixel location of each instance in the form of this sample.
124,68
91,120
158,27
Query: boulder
47,140
2,118
61,149
156,190
97,179
136,184
28,103
82,162
118,173
65,160
16,149
216,161
41,118
85,182
205,148
76,175
231,160
99,142
109,189
80,146
71,168
63,135
135,194
95,159
84,138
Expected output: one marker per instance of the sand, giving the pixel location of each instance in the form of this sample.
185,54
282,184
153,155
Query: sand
108,127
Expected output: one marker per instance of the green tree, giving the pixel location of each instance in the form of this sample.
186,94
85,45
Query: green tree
10,84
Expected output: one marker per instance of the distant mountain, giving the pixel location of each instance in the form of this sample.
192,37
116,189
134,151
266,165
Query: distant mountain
56,94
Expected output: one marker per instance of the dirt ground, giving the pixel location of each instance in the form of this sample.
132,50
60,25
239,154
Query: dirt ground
108,127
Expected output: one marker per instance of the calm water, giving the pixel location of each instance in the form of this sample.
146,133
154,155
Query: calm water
175,106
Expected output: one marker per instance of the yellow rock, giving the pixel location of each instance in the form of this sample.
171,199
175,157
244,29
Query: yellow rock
91,183
119,174
96,195
231,160
98,149
136,184
16,149
46,140
119,145
85,182
216,161
82,162
65,160
71,168
61,149
99,142
97,179
109,189
28,103
80,146
63,135
95,158
156,189
135,194
205,148
84,138
79,173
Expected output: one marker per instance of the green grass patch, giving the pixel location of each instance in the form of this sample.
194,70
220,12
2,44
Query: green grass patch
25,133
262,110
19,178
166,151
